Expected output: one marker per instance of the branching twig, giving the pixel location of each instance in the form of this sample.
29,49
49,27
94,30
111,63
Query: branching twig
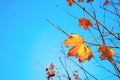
57,27
109,11
65,69
83,68
97,20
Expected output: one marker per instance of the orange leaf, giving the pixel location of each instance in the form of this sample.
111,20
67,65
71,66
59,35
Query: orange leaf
70,2
79,49
74,40
51,66
50,72
106,2
85,23
106,52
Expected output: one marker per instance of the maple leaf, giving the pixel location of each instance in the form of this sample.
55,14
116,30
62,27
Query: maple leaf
79,49
85,23
106,52
106,2
70,2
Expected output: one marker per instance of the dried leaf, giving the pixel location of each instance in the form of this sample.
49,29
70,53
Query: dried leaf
50,72
85,23
106,52
76,75
50,67
70,2
106,2
79,49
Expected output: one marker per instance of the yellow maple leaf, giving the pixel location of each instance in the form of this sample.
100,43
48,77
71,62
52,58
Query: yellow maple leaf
79,49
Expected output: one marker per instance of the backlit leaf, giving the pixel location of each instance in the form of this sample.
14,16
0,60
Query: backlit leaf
70,2
79,49
51,66
50,72
106,52
106,2
85,23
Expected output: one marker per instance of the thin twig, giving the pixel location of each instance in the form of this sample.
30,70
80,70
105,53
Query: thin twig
65,69
82,68
105,68
116,68
85,73
109,11
97,25
57,27
67,12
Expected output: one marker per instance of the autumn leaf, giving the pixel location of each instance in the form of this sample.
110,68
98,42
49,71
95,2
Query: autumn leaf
106,2
76,75
50,71
50,67
70,2
85,23
106,52
51,74
79,49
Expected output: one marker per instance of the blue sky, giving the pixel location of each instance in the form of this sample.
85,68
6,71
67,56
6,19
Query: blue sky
27,38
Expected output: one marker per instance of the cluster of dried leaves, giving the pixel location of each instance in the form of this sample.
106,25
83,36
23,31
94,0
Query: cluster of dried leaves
50,71
70,2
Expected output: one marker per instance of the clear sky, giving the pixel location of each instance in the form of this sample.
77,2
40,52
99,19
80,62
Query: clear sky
29,43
